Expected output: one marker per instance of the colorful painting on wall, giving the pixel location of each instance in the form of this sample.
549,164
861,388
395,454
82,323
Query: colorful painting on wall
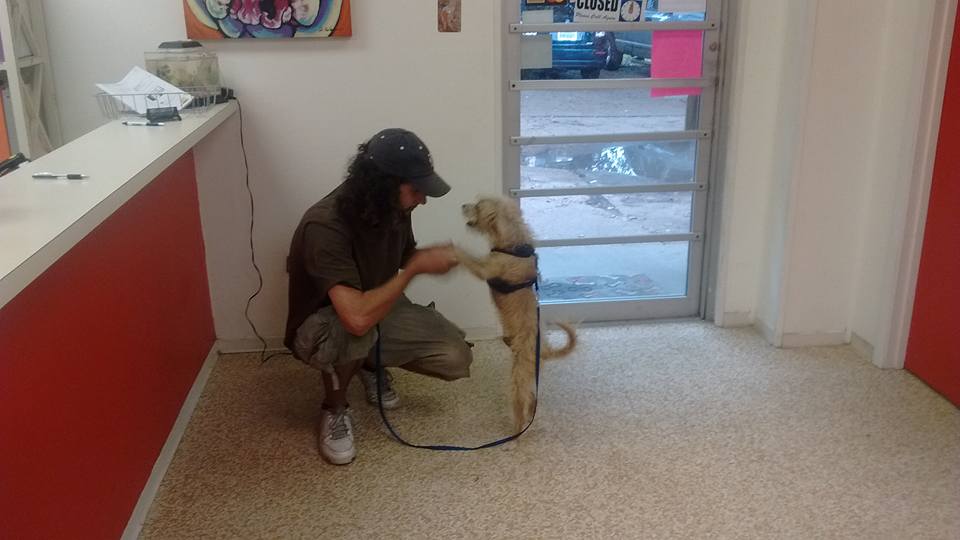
277,19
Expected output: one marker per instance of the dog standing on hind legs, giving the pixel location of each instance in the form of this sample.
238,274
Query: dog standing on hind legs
510,269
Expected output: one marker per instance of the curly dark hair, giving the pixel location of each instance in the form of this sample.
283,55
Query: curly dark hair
369,195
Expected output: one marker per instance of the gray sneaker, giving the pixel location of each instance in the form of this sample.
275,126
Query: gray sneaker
369,379
336,437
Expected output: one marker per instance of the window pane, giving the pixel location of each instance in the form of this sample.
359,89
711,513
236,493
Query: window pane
613,272
598,216
564,11
553,166
611,55
575,55
603,112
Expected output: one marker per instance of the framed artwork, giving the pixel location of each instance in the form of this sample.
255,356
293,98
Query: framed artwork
266,19
448,15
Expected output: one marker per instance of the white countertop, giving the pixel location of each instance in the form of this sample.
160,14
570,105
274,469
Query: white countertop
40,220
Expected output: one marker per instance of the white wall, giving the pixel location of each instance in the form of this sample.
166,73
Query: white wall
766,92
96,42
822,166
796,55
307,104
897,109
749,120
828,190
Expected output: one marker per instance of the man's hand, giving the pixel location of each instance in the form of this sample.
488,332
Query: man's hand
433,260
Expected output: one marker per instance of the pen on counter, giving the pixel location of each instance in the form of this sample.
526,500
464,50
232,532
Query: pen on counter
151,124
68,176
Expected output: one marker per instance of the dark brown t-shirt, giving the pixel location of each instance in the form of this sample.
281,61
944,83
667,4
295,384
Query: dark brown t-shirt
327,250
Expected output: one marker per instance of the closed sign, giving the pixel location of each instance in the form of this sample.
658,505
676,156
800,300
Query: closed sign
596,10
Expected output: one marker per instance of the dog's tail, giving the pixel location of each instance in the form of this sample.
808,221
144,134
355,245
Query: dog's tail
547,351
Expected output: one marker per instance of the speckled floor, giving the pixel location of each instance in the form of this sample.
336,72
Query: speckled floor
674,430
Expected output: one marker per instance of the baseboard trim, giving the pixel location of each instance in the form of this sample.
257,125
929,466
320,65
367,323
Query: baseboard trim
736,319
249,345
863,347
819,339
768,334
149,493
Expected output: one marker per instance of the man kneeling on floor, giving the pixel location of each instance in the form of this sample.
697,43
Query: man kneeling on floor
351,258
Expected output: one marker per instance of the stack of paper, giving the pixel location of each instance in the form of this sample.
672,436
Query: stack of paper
141,90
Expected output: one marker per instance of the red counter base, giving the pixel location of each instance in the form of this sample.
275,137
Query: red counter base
96,358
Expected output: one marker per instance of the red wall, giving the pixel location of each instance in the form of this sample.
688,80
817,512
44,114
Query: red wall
96,358
933,353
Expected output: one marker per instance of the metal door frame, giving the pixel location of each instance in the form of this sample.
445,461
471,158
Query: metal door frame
705,133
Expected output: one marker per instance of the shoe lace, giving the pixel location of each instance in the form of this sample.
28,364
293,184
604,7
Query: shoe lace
339,428
386,381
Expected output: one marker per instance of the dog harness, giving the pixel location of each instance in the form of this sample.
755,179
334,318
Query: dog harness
502,286
522,250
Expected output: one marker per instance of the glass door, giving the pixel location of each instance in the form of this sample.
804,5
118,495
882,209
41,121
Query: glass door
608,131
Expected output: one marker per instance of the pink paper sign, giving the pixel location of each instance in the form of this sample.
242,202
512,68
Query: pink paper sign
677,54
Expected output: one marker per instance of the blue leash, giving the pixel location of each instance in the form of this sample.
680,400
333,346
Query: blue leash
378,367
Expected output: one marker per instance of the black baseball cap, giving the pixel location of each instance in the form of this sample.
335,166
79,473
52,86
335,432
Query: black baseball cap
401,153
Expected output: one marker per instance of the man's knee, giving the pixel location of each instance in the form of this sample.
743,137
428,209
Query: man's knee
323,342
453,359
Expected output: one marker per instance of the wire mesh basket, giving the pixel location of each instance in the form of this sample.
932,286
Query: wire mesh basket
190,100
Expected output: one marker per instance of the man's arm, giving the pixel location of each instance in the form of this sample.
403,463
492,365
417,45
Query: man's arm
361,311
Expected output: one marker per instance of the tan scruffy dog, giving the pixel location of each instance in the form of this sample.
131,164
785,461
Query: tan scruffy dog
511,272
